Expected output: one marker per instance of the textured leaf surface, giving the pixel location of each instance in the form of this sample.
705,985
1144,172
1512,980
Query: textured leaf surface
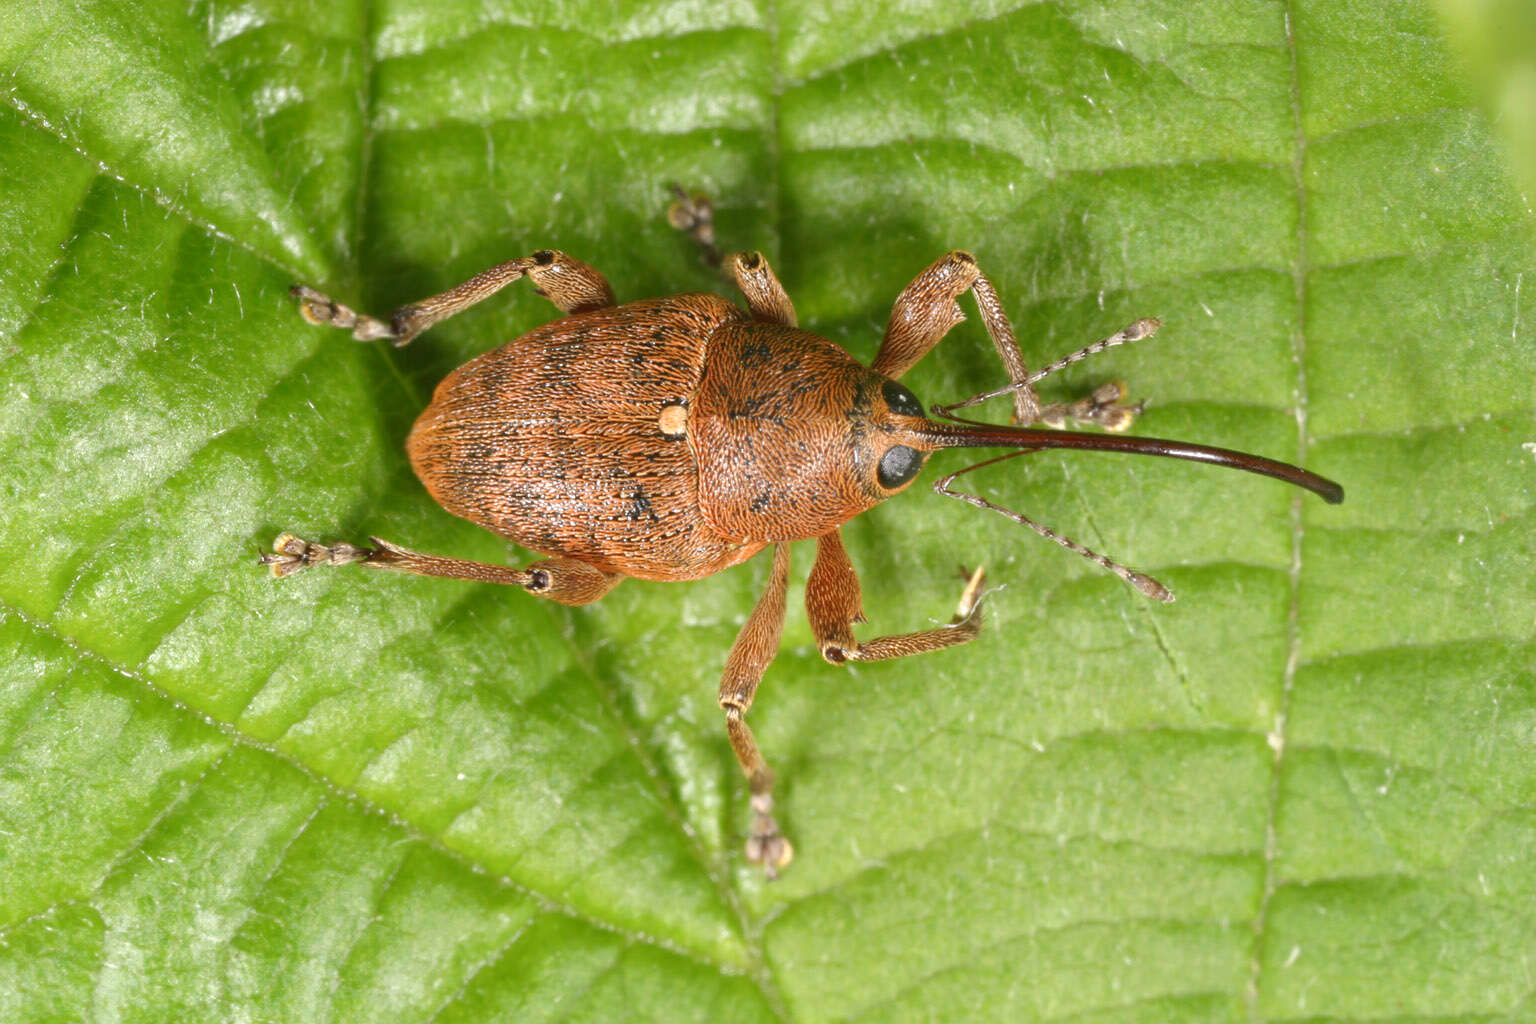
1306,791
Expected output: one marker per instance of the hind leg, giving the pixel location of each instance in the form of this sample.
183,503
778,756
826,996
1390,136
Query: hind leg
560,579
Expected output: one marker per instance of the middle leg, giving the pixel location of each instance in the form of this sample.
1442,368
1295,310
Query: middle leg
573,286
765,296
750,656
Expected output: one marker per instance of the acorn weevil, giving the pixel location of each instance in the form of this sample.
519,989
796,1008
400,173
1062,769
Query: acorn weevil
671,438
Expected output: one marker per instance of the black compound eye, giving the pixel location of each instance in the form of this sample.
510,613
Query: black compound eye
900,400
898,465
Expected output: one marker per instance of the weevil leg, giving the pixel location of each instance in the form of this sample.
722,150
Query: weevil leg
925,311
560,579
765,296
750,656
833,603
570,284
1103,407
695,215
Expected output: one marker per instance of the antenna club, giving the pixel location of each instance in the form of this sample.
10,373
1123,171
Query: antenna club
1149,587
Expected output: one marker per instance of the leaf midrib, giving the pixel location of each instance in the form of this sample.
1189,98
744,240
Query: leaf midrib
1278,739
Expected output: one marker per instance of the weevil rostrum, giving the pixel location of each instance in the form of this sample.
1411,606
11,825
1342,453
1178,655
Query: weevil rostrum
671,438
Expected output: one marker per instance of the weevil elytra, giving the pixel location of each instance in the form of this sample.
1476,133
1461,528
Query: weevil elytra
671,438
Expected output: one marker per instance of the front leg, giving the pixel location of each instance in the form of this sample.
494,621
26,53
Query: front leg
569,283
1103,406
833,603
925,311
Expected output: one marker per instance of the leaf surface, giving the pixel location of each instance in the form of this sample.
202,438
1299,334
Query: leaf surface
1303,792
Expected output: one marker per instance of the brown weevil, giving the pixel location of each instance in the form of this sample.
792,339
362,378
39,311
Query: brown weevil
671,438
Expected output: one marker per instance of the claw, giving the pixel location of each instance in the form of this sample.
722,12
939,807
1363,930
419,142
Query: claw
695,216
970,597
1103,408
767,845
290,554
316,307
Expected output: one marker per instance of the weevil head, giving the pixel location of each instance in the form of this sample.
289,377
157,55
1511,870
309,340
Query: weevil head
896,427
793,437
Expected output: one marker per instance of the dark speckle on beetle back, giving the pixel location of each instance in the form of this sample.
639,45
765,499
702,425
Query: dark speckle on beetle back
639,508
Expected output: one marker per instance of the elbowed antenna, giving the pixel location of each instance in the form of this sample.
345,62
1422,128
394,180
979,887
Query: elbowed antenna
936,435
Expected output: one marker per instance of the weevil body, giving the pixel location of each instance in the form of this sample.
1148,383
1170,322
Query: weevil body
701,437
671,438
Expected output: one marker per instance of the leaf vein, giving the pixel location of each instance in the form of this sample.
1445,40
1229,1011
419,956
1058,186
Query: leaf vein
242,739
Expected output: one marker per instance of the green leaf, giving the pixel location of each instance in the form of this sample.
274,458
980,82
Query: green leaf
1497,39
1304,791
